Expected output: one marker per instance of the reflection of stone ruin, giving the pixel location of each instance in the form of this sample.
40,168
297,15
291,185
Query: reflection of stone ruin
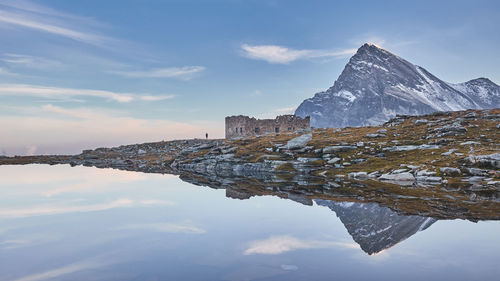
244,126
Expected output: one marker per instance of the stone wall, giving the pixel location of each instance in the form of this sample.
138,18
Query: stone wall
244,126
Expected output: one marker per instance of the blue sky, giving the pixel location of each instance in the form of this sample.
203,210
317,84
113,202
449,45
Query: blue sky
82,74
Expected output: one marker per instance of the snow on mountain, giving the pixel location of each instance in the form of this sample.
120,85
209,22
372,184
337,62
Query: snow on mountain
376,85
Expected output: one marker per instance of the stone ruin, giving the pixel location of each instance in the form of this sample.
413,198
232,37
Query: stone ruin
244,126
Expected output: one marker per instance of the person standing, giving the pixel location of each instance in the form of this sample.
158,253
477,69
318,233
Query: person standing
206,136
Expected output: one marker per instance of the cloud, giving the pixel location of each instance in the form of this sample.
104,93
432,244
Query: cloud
185,72
30,61
165,227
65,93
275,112
284,55
281,244
4,71
39,18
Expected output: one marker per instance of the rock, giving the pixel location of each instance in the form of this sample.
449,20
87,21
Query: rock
305,159
346,164
375,174
449,152
494,183
358,175
397,177
449,171
477,172
374,135
490,160
298,142
429,179
326,156
338,148
470,143
425,173
474,179
421,121
334,160
382,131
399,171
449,130
411,147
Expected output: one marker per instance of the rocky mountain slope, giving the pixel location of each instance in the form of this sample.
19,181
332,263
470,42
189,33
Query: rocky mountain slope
376,85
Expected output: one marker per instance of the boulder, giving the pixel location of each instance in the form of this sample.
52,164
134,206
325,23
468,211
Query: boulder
450,171
397,177
338,148
298,142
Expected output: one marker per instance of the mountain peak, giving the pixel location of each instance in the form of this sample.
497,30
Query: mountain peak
481,80
376,85
370,48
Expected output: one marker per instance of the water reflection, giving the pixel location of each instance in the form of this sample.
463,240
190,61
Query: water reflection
376,228
122,225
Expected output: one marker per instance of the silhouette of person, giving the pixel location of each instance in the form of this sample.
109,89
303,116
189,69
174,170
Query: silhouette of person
206,136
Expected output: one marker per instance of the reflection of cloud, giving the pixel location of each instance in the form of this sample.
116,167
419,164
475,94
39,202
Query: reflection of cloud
29,240
280,244
54,210
165,227
61,271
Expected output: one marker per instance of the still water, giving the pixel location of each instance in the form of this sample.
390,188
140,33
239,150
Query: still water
80,223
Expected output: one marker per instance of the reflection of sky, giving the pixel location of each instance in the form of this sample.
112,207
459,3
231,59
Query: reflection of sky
118,225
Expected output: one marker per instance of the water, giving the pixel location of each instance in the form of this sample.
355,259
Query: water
63,223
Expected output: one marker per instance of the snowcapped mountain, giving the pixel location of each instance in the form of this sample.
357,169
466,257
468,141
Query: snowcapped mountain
376,85
373,227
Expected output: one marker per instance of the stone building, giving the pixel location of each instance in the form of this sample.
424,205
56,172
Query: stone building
244,126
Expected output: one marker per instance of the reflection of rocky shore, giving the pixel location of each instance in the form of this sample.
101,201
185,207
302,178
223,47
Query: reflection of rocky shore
439,203
376,228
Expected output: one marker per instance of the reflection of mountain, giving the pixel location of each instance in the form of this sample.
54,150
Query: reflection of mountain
373,227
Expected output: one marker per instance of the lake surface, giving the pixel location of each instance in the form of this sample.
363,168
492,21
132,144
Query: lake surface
81,223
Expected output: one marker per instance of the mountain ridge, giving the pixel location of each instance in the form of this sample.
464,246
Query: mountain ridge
376,85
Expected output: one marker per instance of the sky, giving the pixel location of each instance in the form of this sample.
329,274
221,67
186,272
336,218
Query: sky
84,74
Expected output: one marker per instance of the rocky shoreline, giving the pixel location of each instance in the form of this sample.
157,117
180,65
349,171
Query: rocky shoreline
443,165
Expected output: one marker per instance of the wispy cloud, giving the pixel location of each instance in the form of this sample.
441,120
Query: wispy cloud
184,73
283,55
65,93
278,111
281,244
30,61
31,16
